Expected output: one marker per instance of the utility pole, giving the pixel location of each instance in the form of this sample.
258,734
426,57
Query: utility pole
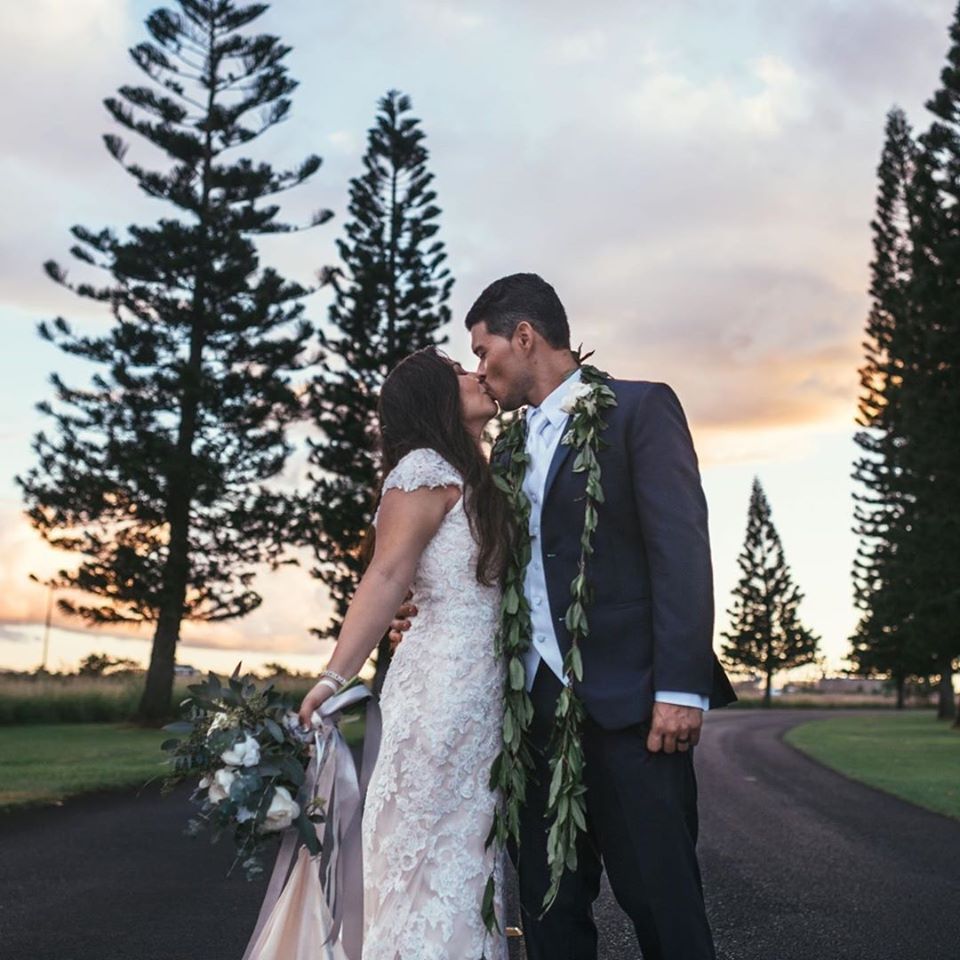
46,626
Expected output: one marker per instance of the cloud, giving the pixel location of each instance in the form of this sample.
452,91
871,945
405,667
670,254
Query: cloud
69,57
852,47
767,96
442,17
292,601
585,46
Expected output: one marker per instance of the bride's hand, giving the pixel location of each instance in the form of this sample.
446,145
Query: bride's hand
312,701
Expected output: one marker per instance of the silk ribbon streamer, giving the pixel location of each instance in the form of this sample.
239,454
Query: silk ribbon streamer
332,779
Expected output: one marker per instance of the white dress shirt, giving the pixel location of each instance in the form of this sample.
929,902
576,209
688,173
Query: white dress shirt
545,427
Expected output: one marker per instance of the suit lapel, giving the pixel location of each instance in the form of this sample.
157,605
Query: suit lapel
560,456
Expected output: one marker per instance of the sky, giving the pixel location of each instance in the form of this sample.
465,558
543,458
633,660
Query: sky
696,179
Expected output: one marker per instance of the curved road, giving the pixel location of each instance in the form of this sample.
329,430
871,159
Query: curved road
798,863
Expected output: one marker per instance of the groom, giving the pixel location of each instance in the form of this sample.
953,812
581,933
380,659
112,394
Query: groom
649,671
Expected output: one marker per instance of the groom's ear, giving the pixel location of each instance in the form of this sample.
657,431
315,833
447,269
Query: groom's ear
523,335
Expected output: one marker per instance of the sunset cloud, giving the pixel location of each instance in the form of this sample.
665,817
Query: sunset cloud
293,601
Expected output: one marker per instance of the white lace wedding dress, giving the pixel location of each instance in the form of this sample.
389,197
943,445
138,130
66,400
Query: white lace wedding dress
429,807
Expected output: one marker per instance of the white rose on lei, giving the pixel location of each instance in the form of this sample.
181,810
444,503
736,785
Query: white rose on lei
283,810
220,786
577,392
243,754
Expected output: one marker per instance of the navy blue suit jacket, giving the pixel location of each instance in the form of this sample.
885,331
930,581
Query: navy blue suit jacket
651,618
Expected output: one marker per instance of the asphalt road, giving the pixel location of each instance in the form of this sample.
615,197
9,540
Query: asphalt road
798,862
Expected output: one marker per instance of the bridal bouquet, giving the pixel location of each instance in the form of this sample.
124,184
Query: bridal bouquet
246,744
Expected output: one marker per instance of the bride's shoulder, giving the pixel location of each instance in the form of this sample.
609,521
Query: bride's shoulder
423,467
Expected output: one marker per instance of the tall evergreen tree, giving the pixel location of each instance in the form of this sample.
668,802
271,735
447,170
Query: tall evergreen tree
390,298
765,630
885,640
933,408
158,474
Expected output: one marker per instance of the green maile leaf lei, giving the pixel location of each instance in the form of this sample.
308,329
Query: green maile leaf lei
566,806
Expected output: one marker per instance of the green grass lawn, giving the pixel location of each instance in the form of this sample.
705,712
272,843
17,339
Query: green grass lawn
911,754
45,763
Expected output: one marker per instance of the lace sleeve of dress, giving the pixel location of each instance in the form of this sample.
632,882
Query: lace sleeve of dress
420,468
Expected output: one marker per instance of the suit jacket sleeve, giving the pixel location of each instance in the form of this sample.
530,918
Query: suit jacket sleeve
673,517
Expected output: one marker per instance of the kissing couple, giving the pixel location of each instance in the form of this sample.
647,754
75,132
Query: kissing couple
559,634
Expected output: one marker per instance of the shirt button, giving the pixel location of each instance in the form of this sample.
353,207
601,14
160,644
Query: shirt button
540,638
538,601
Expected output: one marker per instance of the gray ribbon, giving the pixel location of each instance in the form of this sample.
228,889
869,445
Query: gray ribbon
331,777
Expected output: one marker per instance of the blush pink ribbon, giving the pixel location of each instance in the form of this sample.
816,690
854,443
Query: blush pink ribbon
332,780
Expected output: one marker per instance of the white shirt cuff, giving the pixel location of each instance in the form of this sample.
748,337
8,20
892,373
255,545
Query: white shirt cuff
680,699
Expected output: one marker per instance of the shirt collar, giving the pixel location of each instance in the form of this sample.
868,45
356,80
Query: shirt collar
550,405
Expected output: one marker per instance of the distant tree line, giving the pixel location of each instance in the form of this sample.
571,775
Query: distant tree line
907,510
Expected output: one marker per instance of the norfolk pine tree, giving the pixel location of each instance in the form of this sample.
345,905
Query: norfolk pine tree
934,452
157,473
765,631
885,640
390,298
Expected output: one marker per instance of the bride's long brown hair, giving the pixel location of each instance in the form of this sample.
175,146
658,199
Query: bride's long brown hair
420,407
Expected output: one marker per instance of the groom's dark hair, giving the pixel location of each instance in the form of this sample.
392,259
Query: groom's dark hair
522,296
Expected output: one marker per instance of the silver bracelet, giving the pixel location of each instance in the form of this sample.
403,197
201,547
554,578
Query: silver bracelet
333,675
327,682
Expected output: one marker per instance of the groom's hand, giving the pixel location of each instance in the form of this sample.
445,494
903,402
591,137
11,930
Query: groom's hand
401,623
674,728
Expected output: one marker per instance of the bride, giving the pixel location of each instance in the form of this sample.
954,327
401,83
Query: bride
443,527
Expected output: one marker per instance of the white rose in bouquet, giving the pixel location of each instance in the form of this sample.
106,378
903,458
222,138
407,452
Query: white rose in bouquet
576,393
243,754
283,810
220,786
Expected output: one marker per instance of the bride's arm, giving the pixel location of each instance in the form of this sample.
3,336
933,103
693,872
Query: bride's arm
406,524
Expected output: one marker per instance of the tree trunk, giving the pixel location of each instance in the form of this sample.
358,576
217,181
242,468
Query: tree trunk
768,690
155,703
158,691
901,684
946,708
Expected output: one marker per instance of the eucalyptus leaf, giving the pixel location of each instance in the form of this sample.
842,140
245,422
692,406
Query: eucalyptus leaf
274,730
292,769
179,726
